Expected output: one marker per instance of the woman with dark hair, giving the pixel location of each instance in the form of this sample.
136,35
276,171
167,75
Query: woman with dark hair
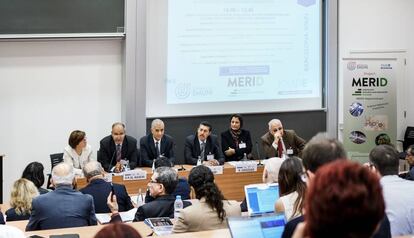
78,152
236,142
211,210
117,230
34,173
344,199
292,188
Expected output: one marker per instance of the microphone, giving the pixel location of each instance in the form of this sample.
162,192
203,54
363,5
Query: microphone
112,159
258,155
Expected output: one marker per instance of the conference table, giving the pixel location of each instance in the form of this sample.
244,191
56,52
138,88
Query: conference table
231,183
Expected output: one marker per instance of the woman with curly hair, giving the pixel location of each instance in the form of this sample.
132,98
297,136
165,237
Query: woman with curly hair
211,210
292,188
22,194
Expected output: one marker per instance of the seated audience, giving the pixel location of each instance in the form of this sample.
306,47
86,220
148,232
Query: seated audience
163,182
292,188
99,189
409,157
118,148
203,145
236,142
398,192
211,210
278,142
2,222
271,169
64,207
22,194
344,200
156,144
34,173
319,151
117,230
182,189
78,152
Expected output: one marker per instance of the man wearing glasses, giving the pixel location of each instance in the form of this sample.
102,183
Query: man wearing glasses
278,142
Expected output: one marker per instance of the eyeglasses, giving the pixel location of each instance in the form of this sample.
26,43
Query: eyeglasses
278,129
153,181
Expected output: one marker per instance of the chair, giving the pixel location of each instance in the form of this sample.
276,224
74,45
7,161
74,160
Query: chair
408,138
54,160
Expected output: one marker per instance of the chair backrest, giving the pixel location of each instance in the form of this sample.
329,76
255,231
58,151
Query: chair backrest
56,159
408,137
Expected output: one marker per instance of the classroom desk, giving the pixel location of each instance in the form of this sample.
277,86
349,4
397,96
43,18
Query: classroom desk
231,183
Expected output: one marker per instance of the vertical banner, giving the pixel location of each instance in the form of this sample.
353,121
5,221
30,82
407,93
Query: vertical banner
370,105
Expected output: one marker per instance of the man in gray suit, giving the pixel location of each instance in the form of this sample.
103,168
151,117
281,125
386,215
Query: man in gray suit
64,207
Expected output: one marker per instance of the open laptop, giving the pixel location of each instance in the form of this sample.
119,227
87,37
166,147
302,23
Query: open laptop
261,198
266,226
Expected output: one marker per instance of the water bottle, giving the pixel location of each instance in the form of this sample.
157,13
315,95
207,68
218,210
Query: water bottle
127,168
153,166
199,161
178,205
244,157
140,199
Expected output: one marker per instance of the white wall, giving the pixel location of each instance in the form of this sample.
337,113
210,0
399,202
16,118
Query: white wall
48,89
378,25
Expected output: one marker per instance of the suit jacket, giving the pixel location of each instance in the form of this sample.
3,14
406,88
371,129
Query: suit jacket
290,139
227,141
149,153
199,216
162,206
61,208
11,215
99,189
107,151
192,149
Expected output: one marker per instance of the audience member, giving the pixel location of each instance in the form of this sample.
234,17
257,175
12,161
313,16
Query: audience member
99,189
117,230
156,144
22,194
236,142
271,169
210,212
163,182
203,145
349,189
2,222
78,152
118,148
34,173
182,189
292,188
64,207
320,151
278,142
398,192
409,157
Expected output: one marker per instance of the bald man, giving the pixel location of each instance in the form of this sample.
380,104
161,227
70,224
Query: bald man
64,207
156,144
116,148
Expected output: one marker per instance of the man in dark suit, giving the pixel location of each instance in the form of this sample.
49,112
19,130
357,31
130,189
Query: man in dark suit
203,145
163,182
156,144
99,189
278,142
64,207
118,148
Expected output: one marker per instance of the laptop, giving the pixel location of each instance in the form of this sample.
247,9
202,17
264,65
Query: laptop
261,198
266,226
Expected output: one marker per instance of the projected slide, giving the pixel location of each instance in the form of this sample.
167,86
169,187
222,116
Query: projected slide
238,50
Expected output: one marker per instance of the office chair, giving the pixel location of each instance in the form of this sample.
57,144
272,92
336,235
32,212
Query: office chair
54,160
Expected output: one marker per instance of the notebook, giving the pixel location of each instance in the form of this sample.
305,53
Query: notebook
266,226
261,198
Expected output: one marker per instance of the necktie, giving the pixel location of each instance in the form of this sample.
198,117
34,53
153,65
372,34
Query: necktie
203,150
280,148
118,153
157,148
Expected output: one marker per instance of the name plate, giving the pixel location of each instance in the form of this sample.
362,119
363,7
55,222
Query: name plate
248,166
216,169
136,174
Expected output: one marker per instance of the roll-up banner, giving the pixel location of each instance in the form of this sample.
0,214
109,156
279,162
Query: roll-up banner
370,105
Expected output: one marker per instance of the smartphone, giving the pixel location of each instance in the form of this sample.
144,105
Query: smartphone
112,192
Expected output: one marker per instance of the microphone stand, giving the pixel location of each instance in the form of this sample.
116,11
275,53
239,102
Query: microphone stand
260,164
112,158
